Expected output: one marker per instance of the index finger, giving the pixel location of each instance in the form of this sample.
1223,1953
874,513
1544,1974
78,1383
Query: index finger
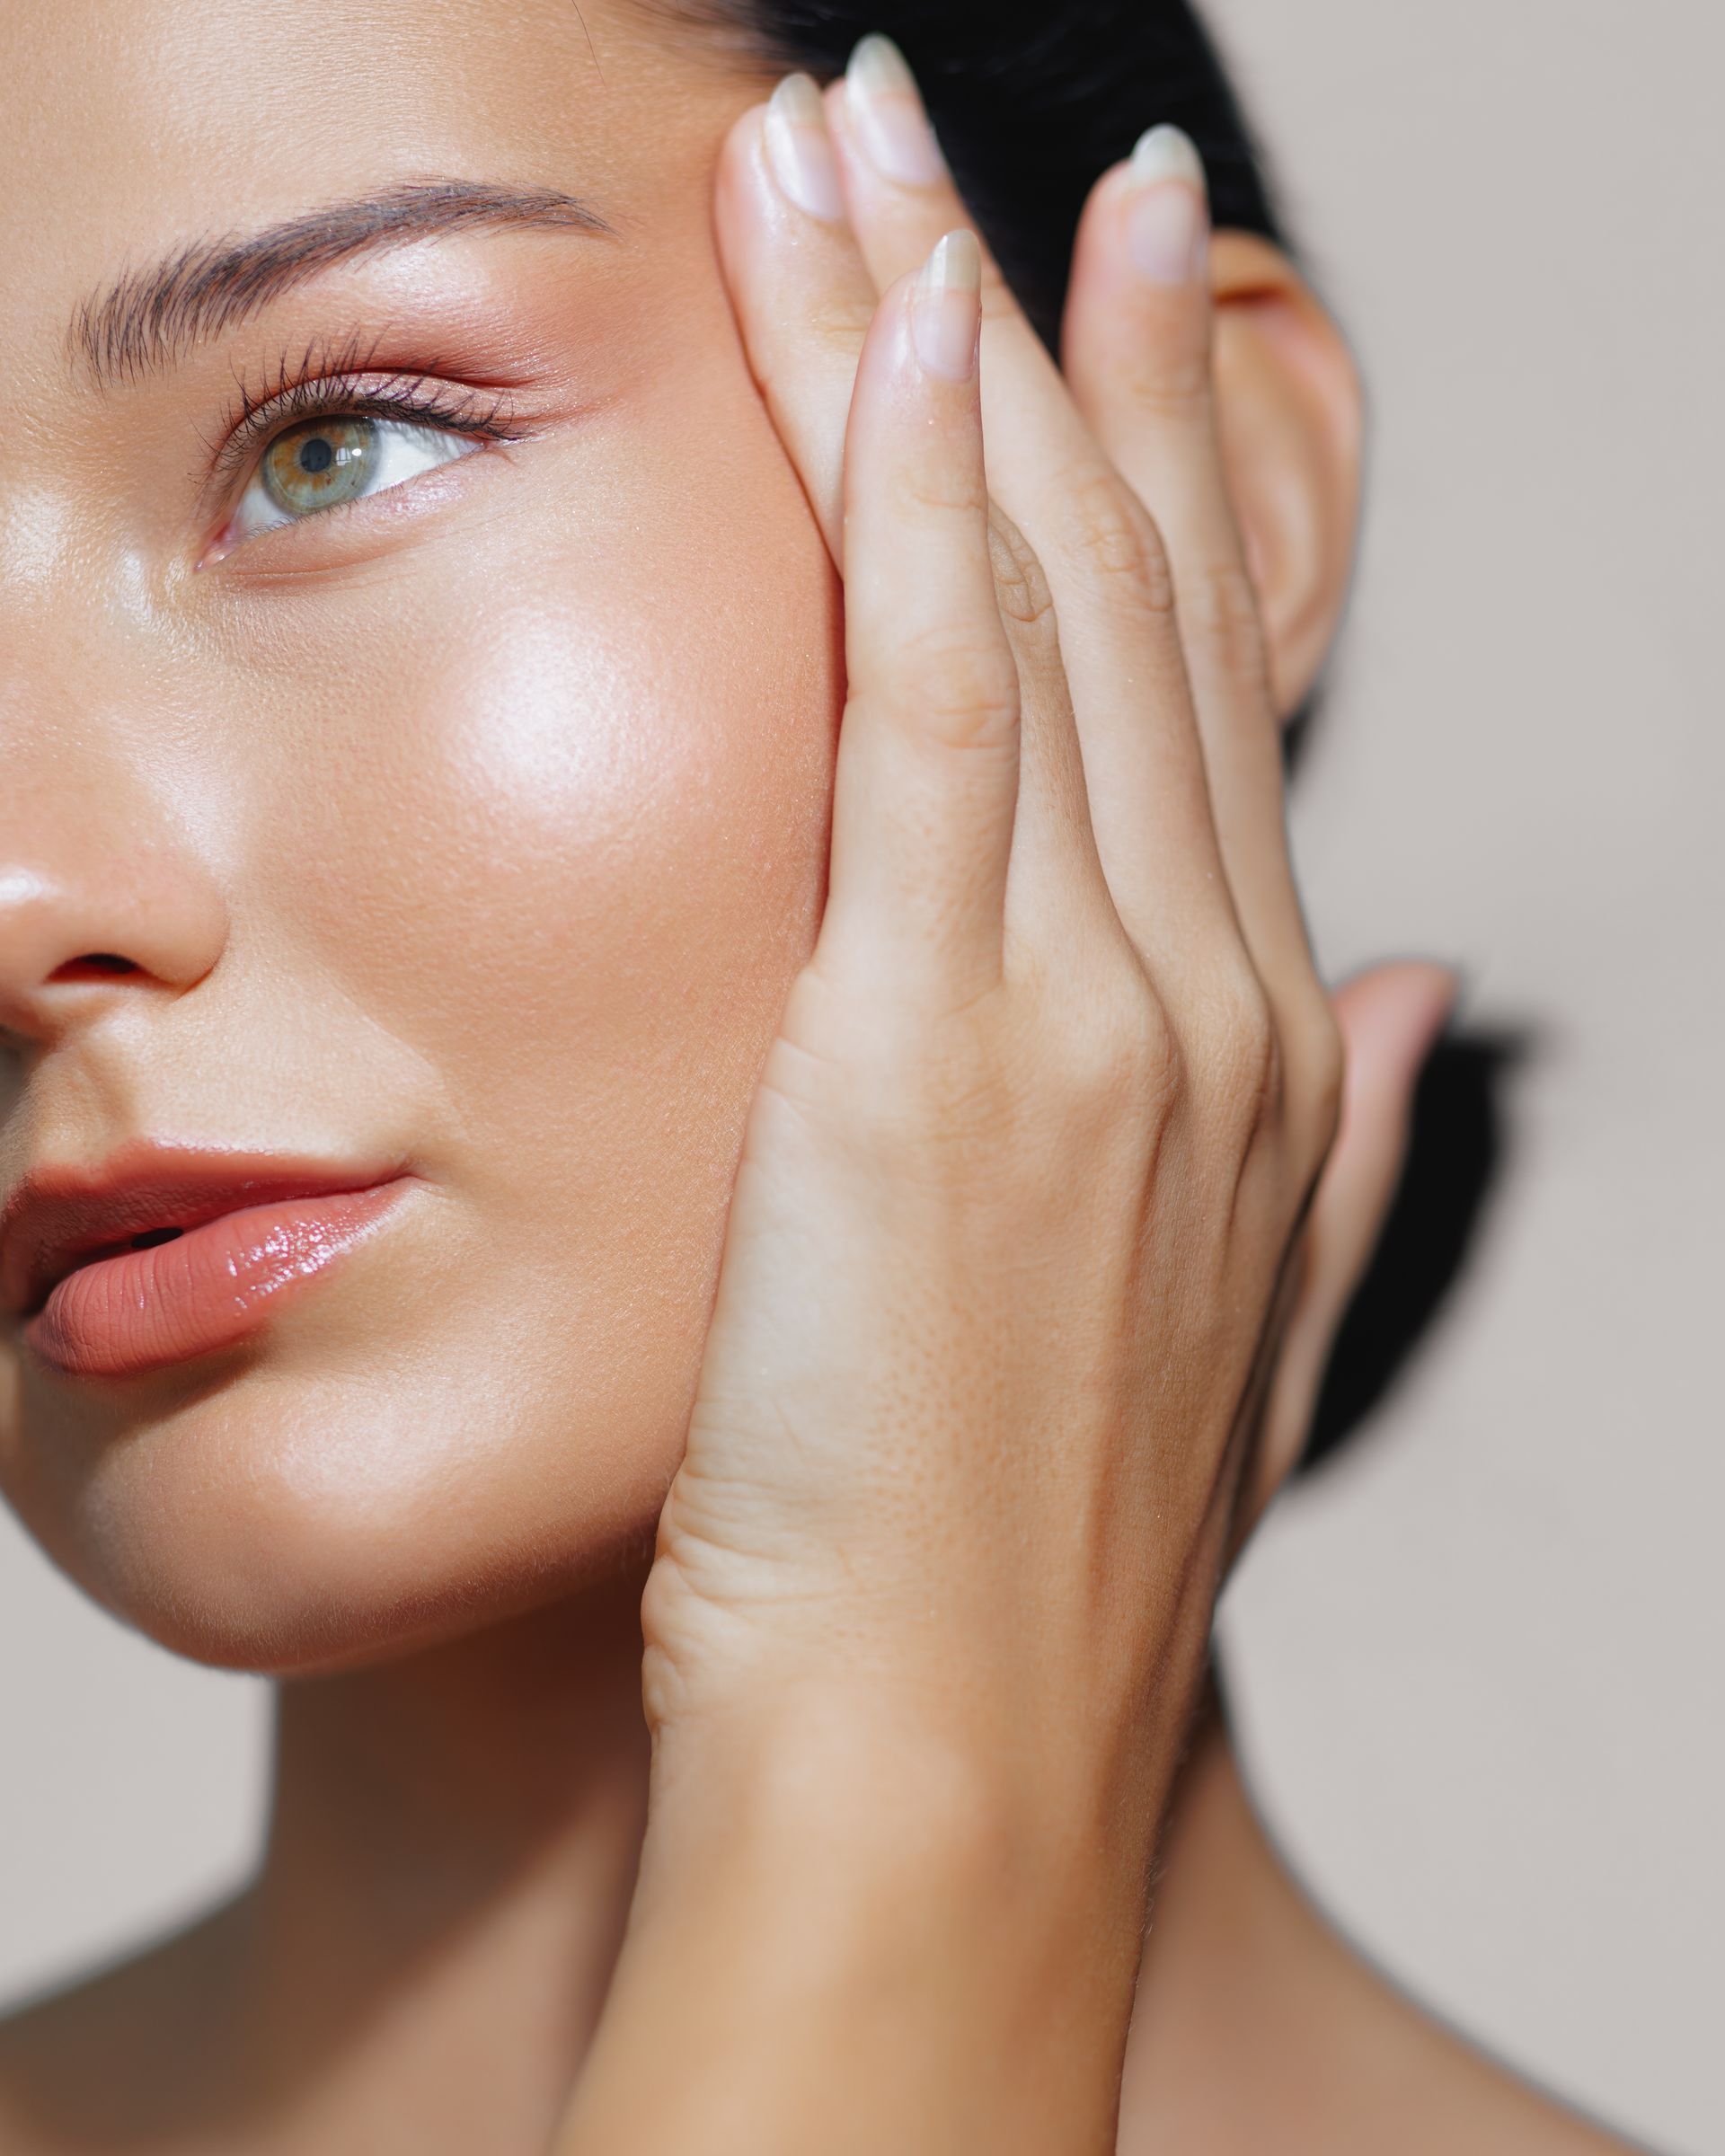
926,800
782,239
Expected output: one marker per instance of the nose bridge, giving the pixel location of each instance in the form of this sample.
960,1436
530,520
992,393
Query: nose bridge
108,889
104,888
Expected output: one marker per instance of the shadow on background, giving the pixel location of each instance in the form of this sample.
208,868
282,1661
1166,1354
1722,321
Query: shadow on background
1457,1148
1460,1141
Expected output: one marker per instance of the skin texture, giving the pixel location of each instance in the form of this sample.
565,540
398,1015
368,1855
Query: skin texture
516,902
482,834
957,1493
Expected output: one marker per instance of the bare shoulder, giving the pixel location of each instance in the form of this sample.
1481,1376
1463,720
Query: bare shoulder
1469,2101
1399,2077
107,2061
1351,2076
1260,2026
1396,2076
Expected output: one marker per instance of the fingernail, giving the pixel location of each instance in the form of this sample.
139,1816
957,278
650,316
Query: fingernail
1168,221
946,309
889,117
800,150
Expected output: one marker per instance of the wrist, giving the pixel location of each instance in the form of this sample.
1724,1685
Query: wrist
898,1915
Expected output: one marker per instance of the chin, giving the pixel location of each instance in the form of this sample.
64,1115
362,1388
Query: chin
296,1517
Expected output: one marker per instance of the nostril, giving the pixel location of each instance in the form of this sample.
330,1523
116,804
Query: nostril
93,966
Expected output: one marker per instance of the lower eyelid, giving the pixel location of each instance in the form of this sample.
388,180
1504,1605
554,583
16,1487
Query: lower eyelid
397,448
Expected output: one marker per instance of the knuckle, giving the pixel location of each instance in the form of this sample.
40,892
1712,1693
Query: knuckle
841,318
1020,585
936,487
1173,388
1244,1053
1161,1062
961,687
1318,1070
1114,535
1123,1051
836,321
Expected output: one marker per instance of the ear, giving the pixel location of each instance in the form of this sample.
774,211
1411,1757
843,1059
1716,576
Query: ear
1390,1018
1289,416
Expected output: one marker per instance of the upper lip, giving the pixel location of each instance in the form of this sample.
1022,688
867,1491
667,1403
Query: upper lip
59,1218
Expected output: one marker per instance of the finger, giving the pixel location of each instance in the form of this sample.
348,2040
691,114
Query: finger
804,299
1058,905
1146,793
1137,352
928,758
1389,1019
802,294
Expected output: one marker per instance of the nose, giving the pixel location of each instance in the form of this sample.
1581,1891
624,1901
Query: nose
94,907
108,893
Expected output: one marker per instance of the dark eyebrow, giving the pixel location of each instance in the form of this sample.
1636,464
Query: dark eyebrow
149,317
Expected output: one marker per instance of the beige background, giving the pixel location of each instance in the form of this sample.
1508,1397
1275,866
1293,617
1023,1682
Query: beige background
1480,1664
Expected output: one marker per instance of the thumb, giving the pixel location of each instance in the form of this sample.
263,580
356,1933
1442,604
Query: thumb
1390,1018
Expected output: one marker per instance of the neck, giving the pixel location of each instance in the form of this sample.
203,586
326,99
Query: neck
452,1851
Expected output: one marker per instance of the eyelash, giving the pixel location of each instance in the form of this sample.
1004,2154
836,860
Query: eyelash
322,384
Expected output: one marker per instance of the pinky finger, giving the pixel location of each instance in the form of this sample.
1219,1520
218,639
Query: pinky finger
928,752
1389,1018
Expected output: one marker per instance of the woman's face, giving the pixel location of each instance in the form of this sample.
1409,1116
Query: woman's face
458,839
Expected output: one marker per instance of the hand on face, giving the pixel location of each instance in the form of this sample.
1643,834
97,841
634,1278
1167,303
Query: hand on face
1016,1325
561,671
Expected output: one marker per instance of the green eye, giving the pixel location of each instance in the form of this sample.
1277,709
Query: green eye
322,463
334,458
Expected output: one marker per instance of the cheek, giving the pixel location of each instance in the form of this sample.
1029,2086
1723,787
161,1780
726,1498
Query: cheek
527,844
570,851
581,848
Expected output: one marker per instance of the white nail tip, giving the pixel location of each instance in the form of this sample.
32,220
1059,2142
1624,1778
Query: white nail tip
877,64
1166,153
956,263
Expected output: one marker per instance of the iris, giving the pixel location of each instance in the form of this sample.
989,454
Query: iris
322,463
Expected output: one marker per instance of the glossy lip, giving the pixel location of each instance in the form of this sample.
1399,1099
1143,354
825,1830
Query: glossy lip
61,1219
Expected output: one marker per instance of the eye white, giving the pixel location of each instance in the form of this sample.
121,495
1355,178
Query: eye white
404,451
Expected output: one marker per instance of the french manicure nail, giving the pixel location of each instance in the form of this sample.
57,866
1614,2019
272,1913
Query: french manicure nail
800,150
1167,222
889,117
946,308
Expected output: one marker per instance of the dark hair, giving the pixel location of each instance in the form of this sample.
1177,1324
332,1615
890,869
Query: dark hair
1033,100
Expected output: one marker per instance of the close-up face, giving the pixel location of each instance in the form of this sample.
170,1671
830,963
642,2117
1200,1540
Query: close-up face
417,722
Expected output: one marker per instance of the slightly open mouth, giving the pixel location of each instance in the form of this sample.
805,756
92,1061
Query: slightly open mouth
120,1307
146,1239
111,1231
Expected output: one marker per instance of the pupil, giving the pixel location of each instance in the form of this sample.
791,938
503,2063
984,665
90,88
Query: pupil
315,455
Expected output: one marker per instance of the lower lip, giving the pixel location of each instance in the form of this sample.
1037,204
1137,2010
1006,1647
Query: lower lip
206,1290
